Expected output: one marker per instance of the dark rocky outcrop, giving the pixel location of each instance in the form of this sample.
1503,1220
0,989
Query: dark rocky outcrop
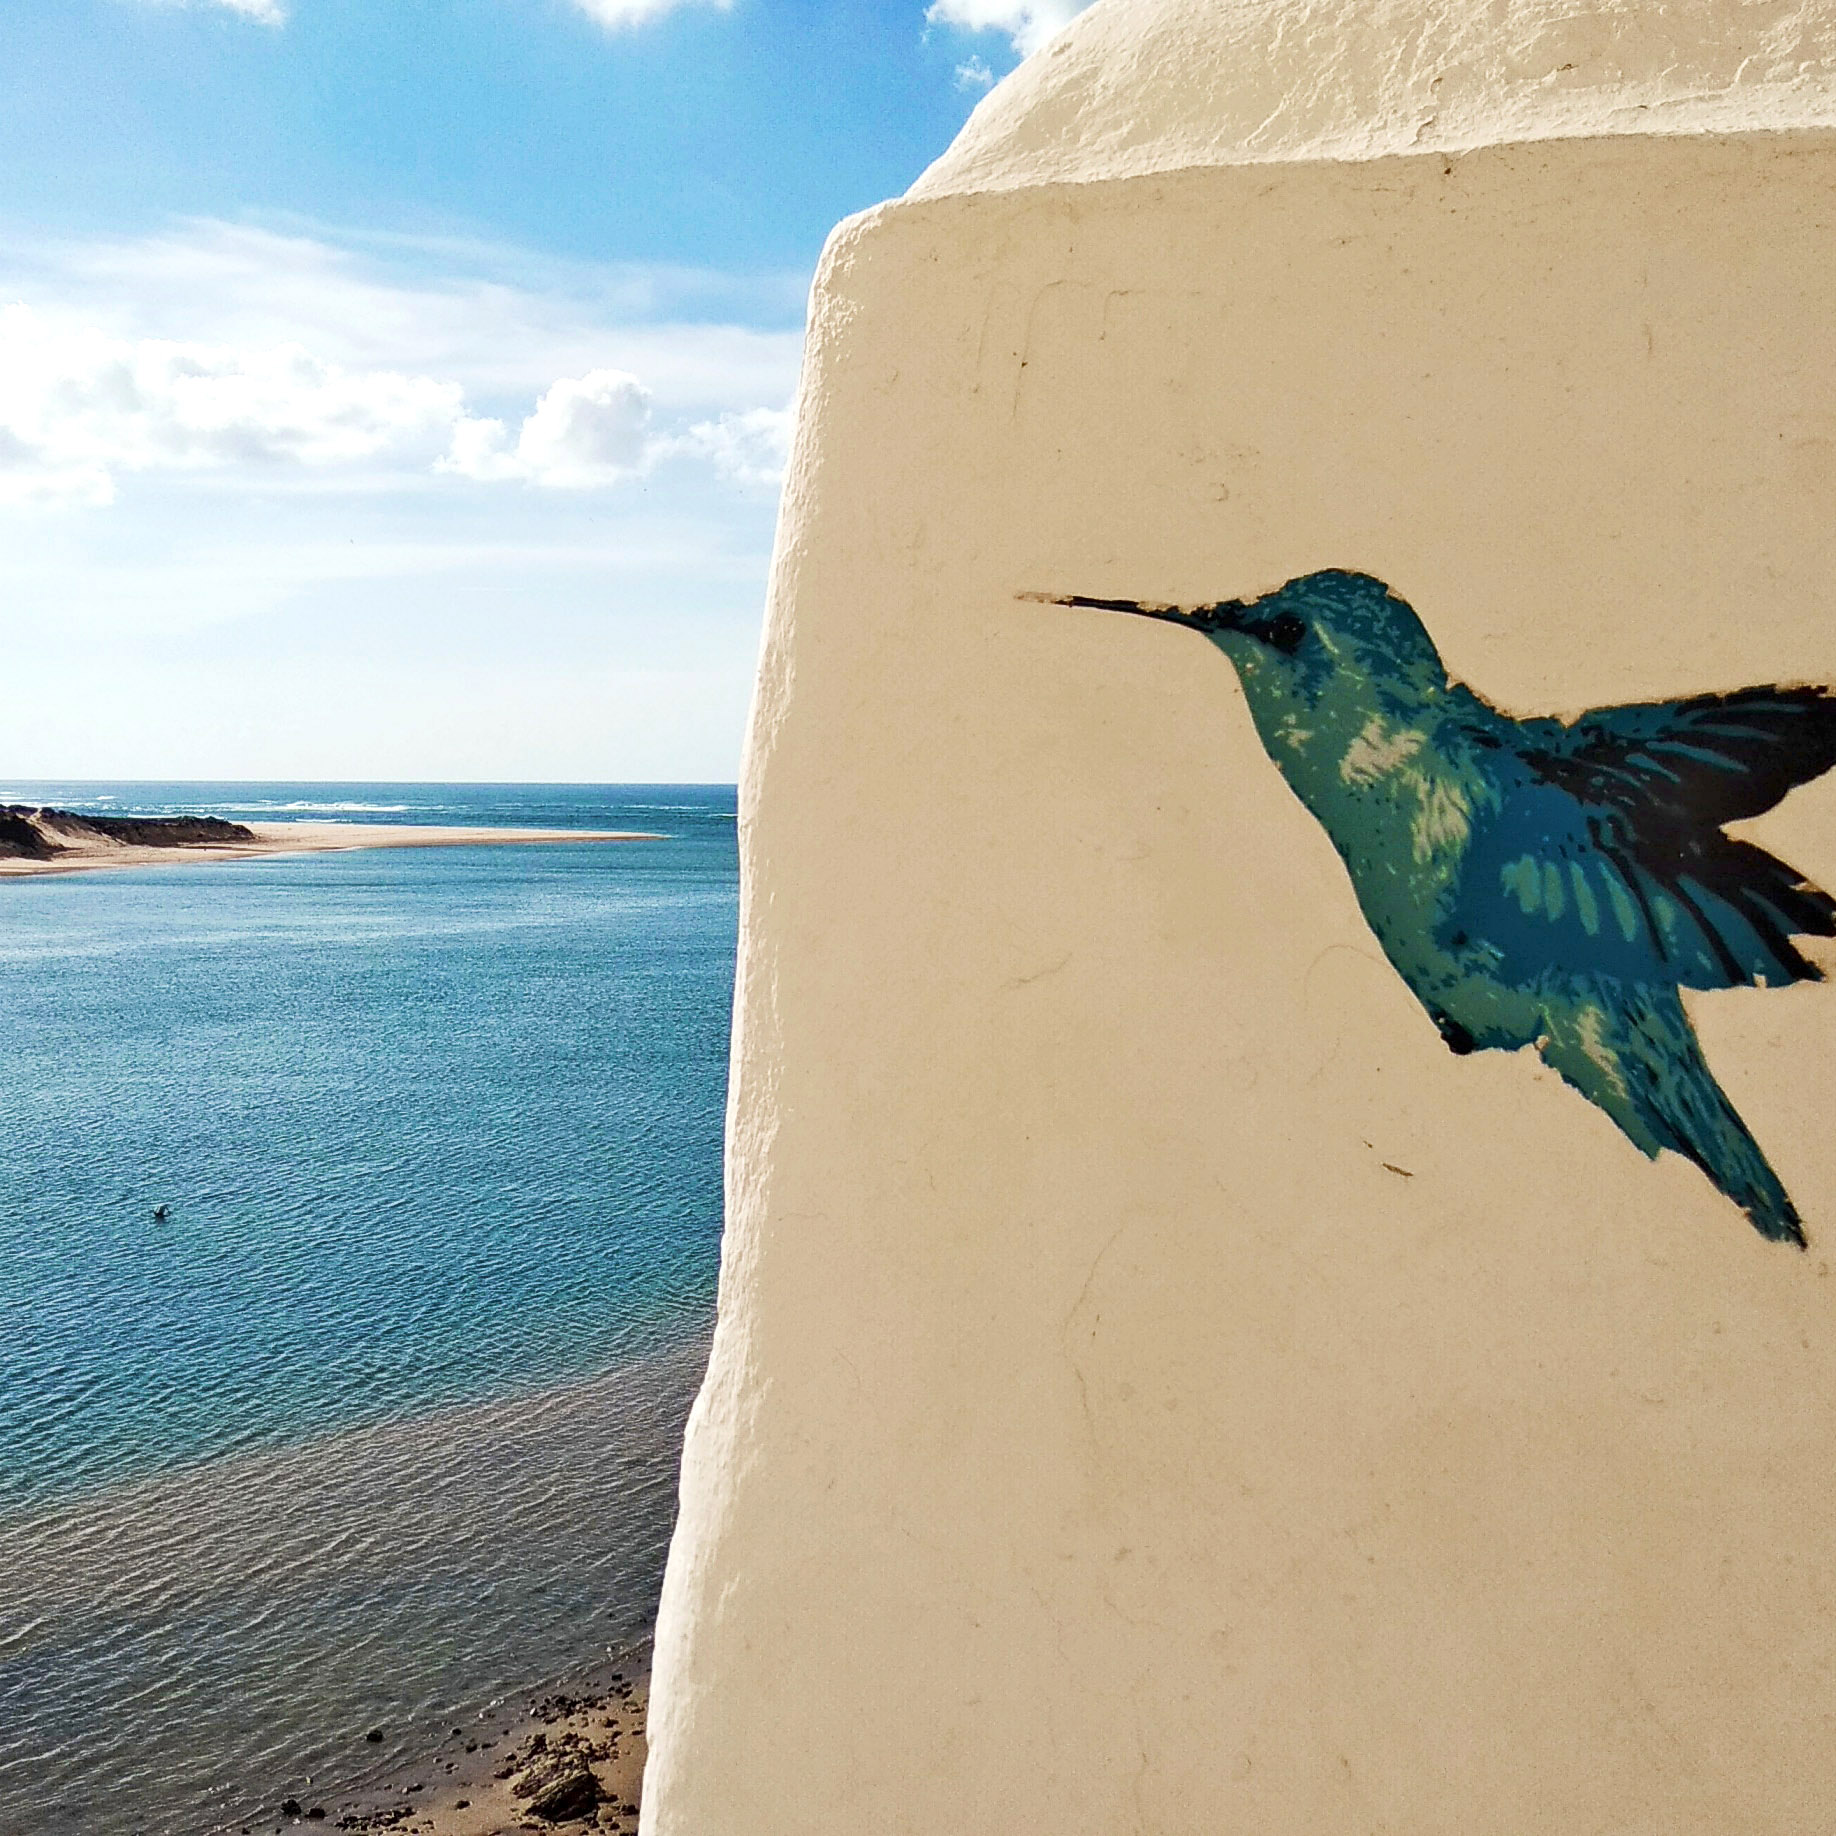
37,834
20,839
556,1771
559,1785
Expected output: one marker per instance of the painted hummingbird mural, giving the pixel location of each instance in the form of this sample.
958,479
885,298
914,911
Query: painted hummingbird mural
1543,882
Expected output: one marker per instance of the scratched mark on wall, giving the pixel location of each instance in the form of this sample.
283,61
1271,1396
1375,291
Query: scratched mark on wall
1540,882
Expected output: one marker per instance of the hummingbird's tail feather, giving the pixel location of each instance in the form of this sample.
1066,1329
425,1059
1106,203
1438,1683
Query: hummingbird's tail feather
1631,1050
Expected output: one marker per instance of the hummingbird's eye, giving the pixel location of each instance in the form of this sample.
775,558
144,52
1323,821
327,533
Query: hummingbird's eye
1285,633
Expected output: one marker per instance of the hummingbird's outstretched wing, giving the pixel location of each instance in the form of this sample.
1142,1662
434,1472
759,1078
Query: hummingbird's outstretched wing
1700,763
1604,853
1599,875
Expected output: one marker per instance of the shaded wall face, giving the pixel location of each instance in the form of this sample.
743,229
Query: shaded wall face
1159,1385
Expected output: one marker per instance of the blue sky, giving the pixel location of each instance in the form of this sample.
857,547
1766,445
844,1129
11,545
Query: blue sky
398,388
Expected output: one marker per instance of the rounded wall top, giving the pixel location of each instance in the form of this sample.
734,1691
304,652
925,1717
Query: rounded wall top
1140,86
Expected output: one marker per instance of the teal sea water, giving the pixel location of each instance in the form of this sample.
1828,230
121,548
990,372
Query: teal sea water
380,1424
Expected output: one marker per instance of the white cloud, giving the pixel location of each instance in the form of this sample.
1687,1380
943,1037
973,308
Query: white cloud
751,448
503,322
589,431
264,12
230,353
975,74
78,408
1028,23
596,431
617,14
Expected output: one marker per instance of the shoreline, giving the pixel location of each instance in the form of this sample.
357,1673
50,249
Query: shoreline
508,1769
342,1494
276,839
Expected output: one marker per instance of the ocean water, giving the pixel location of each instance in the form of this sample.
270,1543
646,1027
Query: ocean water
379,1425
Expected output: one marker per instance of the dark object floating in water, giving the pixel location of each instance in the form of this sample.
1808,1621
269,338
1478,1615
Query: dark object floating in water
374,1734
161,1213
37,834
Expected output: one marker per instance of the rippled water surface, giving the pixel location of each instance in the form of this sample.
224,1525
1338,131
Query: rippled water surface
382,1420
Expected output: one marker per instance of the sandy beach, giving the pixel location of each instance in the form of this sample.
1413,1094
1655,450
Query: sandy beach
566,1762
273,838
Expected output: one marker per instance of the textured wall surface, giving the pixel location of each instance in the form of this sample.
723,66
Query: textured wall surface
1138,86
1158,1387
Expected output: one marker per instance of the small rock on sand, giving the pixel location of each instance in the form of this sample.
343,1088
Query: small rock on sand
558,1786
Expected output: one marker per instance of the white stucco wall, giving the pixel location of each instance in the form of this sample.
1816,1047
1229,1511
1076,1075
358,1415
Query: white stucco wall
1158,1387
1139,86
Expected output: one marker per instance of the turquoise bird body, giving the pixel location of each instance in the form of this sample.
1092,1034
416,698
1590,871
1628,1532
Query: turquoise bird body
1540,882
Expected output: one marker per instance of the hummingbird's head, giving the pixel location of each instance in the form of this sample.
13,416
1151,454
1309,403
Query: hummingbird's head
1330,637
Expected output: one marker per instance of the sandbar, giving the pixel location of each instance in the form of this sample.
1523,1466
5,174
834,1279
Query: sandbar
277,838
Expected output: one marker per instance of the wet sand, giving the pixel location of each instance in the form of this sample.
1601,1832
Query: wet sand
278,838
512,1769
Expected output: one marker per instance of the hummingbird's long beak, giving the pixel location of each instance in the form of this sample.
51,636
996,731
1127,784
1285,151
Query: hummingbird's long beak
1225,615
